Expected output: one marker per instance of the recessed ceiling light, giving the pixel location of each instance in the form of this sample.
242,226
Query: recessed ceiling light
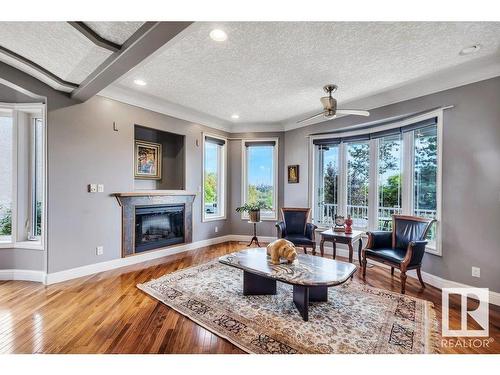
470,50
140,82
218,35
235,116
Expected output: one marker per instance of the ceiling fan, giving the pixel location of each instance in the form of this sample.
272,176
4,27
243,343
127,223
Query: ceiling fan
330,110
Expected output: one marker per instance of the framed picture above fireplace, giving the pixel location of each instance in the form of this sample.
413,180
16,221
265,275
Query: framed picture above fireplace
147,160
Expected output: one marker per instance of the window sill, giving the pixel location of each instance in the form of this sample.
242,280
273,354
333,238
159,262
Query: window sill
28,245
213,218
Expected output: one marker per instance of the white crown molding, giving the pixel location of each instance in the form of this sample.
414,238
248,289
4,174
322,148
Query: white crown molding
165,107
460,75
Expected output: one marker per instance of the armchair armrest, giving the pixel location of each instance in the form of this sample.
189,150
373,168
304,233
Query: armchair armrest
415,252
281,229
379,239
310,228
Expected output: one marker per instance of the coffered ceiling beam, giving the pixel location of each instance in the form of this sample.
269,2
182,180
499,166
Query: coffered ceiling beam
40,69
94,37
149,38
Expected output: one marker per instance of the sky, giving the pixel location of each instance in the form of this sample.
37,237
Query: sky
260,165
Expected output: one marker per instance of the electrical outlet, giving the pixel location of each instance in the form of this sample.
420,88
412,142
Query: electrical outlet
476,272
99,250
100,188
92,188
216,229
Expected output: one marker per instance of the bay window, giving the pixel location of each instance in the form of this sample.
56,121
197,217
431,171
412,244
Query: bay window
260,175
214,177
375,173
22,175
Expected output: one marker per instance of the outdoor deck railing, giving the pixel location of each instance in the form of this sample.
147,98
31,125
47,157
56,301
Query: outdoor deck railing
359,215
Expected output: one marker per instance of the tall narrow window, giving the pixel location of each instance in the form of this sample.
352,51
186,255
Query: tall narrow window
6,176
260,166
327,185
389,180
425,175
358,178
36,178
214,178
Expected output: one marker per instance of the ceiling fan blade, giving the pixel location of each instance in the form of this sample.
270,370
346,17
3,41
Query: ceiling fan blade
357,112
310,118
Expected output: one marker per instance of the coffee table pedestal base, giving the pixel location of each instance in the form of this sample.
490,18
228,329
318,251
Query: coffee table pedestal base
302,295
257,285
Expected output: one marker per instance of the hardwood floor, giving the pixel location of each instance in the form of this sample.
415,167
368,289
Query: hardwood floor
106,313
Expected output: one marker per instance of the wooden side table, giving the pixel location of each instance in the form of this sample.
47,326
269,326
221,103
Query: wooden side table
254,238
344,238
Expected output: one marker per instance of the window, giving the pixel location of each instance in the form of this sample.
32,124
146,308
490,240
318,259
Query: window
22,177
328,183
389,180
362,174
358,173
214,178
260,173
6,175
36,178
425,176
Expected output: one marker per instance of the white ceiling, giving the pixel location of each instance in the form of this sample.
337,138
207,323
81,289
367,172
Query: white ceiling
56,46
272,74
116,32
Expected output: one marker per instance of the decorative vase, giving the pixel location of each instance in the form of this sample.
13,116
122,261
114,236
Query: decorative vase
348,224
254,216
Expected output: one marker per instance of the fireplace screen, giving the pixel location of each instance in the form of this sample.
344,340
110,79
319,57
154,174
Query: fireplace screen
158,226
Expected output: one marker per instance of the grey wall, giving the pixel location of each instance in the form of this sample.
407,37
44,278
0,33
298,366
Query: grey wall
471,177
83,149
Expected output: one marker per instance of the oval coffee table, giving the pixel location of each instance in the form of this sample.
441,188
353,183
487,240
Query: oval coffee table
310,276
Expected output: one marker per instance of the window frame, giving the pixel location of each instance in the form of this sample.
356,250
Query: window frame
407,170
244,177
16,241
222,176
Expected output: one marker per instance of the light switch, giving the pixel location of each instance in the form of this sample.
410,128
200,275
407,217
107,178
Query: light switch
100,188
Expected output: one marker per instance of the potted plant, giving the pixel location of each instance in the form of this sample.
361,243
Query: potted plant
253,210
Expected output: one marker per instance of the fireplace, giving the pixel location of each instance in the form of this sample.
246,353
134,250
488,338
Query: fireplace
158,226
155,219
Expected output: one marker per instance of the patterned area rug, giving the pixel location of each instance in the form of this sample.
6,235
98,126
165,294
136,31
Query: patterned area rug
356,318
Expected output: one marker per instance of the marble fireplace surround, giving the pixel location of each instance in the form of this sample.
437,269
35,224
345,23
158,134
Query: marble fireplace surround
129,200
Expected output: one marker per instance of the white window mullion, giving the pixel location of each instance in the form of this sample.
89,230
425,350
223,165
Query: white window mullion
373,186
407,174
342,189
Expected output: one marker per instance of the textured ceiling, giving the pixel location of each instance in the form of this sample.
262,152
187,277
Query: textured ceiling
56,46
116,32
272,72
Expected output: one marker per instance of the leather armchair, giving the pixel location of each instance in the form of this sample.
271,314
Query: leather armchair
403,248
295,228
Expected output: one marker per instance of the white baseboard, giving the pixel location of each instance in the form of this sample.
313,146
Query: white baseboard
435,281
73,273
91,269
26,275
